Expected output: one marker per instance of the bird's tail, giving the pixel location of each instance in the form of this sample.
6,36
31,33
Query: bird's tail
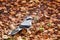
15,31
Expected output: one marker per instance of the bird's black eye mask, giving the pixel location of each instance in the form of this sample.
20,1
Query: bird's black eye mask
29,19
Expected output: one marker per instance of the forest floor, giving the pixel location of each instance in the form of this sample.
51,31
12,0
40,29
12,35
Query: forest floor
46,23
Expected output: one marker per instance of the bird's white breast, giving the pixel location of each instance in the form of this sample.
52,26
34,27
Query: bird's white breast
29,22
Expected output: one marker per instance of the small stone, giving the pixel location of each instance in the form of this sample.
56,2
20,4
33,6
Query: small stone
5,37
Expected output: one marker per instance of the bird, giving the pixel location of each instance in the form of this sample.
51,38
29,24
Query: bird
25,24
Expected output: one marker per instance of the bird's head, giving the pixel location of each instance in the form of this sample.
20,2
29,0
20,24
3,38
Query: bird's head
29,18
27,21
